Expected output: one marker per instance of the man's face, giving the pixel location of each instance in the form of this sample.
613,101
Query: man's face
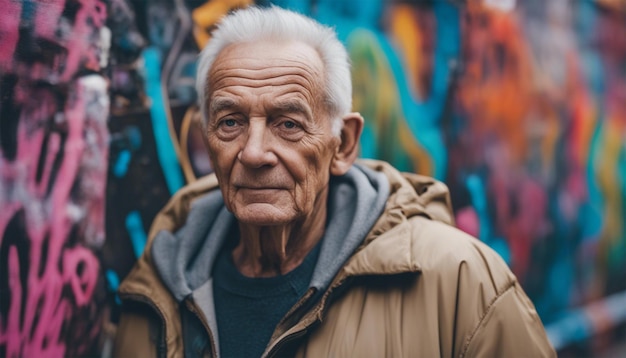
269,135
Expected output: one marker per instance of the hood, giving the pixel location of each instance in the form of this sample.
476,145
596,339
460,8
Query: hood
388,249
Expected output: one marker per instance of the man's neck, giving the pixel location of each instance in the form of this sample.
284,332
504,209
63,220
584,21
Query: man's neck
266,251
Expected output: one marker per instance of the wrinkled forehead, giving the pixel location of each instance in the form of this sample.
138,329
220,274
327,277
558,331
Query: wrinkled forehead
258,63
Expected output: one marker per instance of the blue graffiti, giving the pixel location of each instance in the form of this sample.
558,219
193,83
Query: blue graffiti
114,283
120,167
478,194
137,234
129,141
424,118
166,151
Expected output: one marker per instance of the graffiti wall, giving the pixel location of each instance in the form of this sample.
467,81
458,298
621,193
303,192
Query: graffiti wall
519,106
53,169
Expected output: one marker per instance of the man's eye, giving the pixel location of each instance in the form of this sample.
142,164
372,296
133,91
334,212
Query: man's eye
230,122
289,124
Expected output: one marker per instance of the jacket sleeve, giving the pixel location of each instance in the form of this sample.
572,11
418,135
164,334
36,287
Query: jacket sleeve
509,328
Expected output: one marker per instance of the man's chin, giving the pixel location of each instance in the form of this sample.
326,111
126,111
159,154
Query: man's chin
263,221
264,215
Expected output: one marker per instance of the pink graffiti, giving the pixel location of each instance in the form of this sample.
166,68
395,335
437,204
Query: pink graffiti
85,40
467,220
9,31
61,277
521,205
47,17
529,223
94,157
83,50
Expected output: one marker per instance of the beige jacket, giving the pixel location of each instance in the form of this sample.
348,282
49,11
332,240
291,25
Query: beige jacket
417,287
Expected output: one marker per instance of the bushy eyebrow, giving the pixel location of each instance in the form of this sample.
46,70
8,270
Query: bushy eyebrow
219,104
292,106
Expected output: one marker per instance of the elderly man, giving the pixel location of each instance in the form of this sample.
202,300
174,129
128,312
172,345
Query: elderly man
293,247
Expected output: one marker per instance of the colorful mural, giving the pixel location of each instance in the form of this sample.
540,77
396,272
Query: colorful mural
519,106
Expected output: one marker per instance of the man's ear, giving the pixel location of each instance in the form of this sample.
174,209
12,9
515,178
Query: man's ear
348,149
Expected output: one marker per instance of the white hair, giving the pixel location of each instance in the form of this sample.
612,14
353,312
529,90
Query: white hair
254,24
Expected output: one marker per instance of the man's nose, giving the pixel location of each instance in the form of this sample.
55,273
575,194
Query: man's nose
257,150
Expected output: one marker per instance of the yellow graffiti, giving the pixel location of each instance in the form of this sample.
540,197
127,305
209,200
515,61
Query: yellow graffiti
408,36
607,171
206,16
376,97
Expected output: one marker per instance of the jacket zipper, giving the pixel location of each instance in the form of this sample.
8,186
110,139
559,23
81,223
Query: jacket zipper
295,335
279,345
192,307
162,345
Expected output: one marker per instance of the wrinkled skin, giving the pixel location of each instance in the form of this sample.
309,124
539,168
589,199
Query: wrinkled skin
270,141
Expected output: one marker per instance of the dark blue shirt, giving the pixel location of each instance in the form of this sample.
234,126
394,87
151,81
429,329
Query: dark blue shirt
248,309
